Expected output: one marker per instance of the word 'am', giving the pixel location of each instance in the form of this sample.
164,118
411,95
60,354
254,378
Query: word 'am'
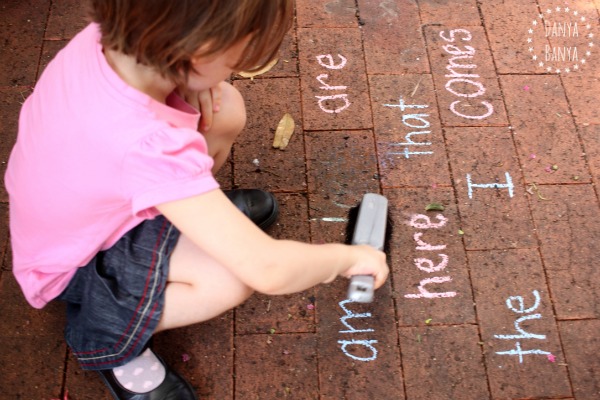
352,347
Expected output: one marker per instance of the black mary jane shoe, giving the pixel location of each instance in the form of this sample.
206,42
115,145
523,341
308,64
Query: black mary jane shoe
260,206
174,387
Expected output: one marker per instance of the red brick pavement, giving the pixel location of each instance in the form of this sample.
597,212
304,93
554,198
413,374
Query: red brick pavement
495,297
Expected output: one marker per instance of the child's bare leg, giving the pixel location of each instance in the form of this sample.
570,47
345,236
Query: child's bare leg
227,125
199,288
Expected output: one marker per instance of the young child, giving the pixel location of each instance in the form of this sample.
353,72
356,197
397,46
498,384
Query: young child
114,208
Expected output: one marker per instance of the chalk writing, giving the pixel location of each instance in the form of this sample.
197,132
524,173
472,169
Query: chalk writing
365,343
423,222
390,8
350,315
462,78
508,185
324,102
419,121
522,333
347,345
565,29
561,53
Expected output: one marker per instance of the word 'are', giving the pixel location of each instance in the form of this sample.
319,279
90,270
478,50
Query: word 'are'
327,61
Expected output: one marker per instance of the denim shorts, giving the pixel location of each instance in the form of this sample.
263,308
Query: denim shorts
114,302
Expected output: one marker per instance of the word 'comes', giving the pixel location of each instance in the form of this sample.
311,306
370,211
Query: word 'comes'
461,78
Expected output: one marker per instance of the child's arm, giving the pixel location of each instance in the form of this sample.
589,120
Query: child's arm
265,264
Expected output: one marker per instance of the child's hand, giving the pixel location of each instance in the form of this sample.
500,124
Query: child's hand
208,102
368,261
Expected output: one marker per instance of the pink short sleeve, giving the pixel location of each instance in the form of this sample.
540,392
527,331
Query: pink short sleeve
168,165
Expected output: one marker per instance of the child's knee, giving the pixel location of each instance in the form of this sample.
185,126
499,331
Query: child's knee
231,118
244,294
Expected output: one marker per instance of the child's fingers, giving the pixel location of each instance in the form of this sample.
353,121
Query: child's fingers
381,277
205,101
216,93
369,261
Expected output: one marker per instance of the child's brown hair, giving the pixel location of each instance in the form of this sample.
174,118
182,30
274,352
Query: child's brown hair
166,34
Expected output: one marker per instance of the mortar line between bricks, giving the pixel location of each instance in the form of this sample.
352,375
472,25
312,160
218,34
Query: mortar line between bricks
307,193
4,260
552,303
437,325
236,78
381,190
379,173
233,354
286,333
455,191
580,140
539,240
560,340
39,59
529,199
526,74
551,296
477,126
500,249
373,136
416,187
64,391
394,300
566,184
576,319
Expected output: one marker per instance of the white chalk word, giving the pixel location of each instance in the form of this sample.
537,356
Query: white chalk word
427,264
462,82
508,185
419,121
519,308
570,34
368,352
336,102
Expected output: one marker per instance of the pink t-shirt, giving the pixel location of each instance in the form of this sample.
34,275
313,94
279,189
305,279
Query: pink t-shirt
92,159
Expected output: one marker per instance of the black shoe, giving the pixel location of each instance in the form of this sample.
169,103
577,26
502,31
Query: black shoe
174,387
258,205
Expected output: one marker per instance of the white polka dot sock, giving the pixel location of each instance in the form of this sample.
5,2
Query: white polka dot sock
142,374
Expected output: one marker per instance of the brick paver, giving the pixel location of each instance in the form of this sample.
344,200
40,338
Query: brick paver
519,334
431,279
410,143
443,362
544,130
398,19
334,82
489,156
